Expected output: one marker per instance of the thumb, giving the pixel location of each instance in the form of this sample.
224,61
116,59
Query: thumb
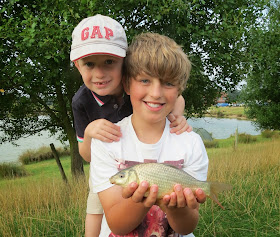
171,117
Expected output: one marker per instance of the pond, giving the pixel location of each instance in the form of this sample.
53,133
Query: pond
219,128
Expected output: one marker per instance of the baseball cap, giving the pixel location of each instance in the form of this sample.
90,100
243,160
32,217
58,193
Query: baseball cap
98,35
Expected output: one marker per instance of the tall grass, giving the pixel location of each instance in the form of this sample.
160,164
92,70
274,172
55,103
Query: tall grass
252,207
45,208
42,205
12,170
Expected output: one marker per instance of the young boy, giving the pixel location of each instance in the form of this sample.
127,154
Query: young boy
98,48
156,72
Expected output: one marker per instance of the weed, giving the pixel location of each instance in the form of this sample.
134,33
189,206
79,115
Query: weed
40,154
12,170
246,138
211,144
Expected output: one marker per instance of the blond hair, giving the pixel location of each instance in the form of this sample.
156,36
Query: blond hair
157,56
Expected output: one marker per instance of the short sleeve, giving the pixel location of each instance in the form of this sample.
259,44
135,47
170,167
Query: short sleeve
102,166
197,164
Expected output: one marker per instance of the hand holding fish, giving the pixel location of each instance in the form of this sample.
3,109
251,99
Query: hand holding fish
138,193
166,176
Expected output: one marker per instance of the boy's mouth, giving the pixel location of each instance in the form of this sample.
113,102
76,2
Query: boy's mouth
101,83
154,105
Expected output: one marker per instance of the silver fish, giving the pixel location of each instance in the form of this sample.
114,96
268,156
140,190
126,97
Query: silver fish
166,176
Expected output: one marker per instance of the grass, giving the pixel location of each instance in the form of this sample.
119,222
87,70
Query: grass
42,205
252,207
226,112
40,154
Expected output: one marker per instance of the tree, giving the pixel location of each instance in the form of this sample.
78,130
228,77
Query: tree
262,92
39,80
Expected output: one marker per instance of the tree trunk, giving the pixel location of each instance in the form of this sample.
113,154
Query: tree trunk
77,167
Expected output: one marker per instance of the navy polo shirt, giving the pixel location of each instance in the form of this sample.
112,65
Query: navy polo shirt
87,106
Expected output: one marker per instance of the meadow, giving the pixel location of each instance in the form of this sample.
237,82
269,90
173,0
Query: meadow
41,204
226,112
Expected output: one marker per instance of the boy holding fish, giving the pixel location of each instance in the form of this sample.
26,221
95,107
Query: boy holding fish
156,72
98,50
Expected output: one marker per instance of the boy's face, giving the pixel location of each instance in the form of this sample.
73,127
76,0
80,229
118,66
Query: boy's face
152,99
102,74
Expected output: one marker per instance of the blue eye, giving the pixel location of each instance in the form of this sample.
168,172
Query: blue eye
145,81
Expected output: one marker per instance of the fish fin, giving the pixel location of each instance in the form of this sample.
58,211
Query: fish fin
216,188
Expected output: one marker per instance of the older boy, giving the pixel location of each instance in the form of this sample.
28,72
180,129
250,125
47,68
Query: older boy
156,73
98,48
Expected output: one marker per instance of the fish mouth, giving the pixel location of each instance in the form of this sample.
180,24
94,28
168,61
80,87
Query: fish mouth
112,180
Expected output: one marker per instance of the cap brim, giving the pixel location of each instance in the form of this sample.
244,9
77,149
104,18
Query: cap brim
89,50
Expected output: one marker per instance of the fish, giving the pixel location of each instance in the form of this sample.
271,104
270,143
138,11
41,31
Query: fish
166,176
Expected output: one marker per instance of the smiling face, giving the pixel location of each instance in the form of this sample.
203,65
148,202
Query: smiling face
152,99
102,74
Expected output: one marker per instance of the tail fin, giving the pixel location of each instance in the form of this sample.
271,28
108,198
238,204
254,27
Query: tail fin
216,188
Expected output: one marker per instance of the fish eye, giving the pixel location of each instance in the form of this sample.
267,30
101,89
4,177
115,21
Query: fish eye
121,175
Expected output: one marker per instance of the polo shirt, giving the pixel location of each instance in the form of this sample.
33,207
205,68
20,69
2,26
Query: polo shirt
88,106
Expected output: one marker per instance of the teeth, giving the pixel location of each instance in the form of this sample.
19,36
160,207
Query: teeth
101,83
153,105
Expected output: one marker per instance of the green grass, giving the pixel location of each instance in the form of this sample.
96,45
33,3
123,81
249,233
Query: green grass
226,112
41,204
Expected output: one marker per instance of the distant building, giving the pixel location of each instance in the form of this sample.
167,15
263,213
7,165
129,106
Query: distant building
222,98
221,101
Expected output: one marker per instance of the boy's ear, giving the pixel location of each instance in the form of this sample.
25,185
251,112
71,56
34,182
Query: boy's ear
77,65
125,86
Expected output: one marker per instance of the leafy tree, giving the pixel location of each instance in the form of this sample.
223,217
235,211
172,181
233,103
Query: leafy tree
233,96
39,79
262,92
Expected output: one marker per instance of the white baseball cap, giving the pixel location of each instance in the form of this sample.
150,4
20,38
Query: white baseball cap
98,35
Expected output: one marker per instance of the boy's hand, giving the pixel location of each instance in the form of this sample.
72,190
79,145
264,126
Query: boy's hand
178,124
137,192
103,130
180,198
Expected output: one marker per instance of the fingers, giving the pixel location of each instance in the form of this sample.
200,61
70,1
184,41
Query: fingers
181,198
190,199
152,197
200,195
129,190
171,117
189,127
139,194
104,130
180,125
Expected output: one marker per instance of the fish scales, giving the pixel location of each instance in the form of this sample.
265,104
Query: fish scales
166,176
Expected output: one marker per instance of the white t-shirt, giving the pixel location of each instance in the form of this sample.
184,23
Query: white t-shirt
185,151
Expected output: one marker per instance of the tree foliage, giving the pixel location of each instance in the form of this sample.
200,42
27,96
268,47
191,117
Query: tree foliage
262,93
39,79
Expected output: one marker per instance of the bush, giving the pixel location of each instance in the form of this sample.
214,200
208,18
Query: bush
211,144
12,170
40,154
270,134
246,138
220,114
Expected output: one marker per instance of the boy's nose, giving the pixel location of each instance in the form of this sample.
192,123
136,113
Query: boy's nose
156,90
98,72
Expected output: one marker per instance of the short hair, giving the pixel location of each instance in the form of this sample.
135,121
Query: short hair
157,56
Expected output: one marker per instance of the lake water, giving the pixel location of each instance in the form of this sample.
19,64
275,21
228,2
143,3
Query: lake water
220,128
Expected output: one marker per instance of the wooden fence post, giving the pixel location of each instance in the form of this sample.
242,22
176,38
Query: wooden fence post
55,154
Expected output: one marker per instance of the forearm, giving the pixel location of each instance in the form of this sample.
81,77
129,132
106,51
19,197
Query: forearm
124,215
183,220
179,106
84,149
